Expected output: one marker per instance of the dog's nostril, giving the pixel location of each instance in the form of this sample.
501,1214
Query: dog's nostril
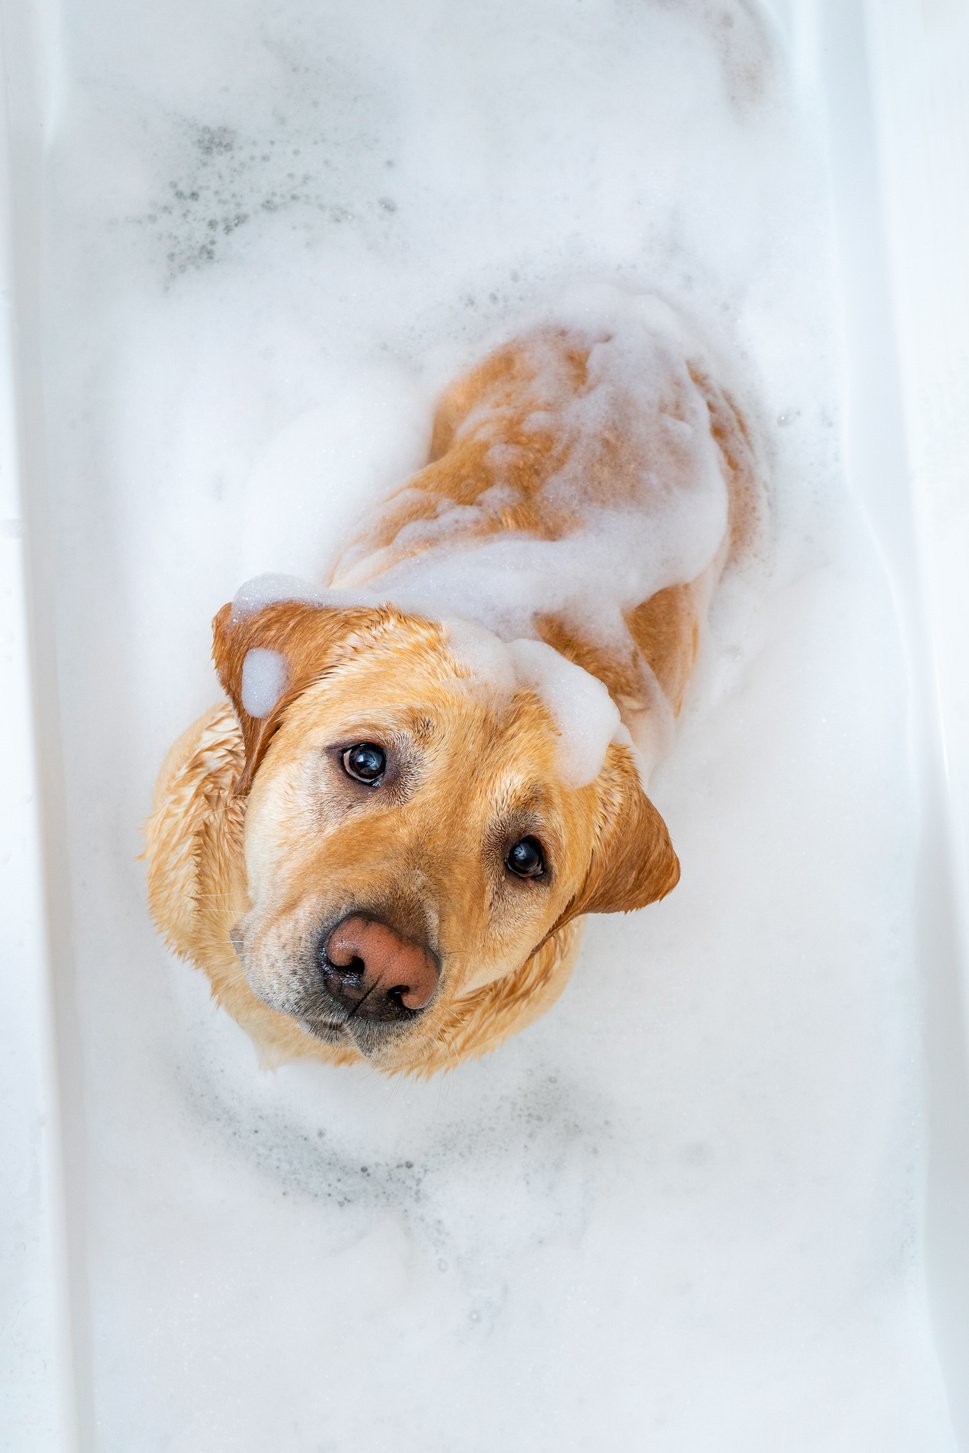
344,952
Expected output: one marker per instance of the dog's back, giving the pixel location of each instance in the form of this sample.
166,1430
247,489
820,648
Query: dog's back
586,487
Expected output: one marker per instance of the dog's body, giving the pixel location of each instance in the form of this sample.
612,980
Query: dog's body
387,854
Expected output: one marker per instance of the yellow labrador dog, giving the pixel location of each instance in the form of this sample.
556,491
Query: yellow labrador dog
382,844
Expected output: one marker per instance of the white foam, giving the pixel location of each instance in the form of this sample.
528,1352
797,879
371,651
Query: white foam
270,589
584,713
484,656
265,676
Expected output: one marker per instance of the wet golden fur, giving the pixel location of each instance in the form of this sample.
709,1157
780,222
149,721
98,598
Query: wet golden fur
256,833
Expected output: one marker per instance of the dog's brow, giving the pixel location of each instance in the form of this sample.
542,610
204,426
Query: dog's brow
516,800
422,728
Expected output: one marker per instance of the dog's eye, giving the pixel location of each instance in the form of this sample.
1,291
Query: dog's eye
525,859
365,763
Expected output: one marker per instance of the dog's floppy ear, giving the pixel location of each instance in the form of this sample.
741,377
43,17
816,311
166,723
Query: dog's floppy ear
266,658
633,862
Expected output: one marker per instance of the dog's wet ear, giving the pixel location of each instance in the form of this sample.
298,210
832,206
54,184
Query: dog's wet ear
633,862
266,658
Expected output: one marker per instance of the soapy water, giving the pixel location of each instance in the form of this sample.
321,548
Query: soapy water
682,1210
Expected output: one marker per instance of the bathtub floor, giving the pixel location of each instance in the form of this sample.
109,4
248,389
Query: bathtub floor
690,1222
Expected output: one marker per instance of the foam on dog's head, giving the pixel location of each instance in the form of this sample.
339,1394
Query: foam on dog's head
583,713
272,589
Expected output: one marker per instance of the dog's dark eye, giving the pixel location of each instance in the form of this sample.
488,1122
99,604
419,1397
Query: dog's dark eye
365,763
525,859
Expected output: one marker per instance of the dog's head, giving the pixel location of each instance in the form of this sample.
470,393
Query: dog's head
409,836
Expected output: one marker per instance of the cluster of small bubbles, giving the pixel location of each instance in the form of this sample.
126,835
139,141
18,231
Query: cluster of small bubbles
555,1130
230,183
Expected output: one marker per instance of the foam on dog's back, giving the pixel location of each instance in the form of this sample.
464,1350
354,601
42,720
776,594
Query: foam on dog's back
641,484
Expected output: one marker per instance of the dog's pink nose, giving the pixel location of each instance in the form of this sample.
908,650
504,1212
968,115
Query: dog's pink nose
374,972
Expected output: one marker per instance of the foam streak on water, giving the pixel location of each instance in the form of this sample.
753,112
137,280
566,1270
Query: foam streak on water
681,1212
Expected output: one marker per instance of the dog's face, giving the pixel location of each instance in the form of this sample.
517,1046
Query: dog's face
409,837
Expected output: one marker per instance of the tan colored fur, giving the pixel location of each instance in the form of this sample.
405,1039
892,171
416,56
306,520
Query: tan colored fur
254,833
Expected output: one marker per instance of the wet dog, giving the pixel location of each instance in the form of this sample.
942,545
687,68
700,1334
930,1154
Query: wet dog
381,845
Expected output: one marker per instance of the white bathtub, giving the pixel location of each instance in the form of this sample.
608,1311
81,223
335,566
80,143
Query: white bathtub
888,79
